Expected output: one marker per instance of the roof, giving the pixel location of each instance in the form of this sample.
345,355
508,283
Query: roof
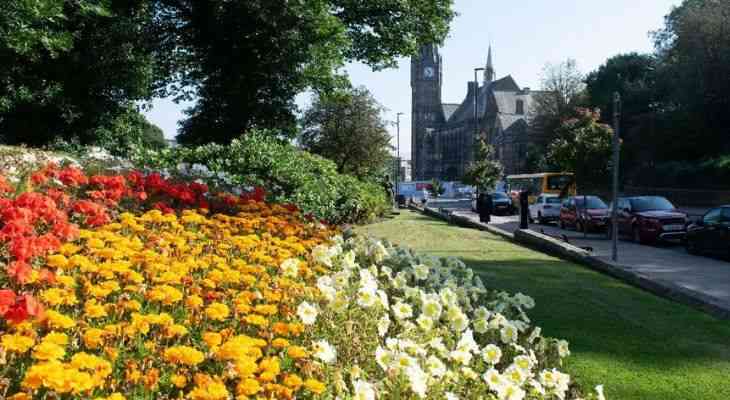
449,109
465,111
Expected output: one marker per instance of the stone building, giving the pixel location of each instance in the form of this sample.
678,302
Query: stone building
442,137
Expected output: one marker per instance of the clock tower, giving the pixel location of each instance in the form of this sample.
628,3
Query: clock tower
426,111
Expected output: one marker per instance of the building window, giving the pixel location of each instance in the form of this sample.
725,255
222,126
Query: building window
520,107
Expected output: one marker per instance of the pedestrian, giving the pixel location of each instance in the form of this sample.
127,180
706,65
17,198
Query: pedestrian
484,207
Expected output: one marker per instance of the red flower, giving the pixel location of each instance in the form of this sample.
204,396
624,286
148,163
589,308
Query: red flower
25,306
5,186
72,176
7,300
20,271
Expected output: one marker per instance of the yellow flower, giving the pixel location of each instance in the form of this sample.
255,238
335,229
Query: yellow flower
217,311
17,343
315,386
93,337
94,310
212,391
194,302
212,339
296,352
57,261
179,380
48,351
184,355
248,387
293,381
279,343
57,320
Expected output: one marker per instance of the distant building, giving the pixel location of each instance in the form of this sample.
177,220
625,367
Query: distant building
442,134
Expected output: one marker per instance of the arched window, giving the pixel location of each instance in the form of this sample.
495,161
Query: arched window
520,107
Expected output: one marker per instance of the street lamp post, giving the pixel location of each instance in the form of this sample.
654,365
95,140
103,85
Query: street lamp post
616,159
476,99
397,158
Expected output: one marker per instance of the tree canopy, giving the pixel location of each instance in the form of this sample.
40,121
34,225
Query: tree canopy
346,127
485,171
245,61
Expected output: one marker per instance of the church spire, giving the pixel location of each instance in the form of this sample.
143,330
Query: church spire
489,73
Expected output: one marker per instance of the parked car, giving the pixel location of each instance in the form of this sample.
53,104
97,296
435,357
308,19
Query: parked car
501,202
711,233
545,209
650,219
584,212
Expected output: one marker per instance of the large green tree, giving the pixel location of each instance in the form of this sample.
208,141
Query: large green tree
583,146
346,127
694,50
245,61
72,66
485,171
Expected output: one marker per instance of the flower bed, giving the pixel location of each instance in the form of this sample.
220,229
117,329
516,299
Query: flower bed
135,287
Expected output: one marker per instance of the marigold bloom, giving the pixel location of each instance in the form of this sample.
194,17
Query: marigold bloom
217,311
184,355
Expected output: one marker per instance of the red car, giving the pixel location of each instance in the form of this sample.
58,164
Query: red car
650,219
581,212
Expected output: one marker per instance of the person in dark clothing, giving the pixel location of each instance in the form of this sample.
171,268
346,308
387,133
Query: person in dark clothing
484,207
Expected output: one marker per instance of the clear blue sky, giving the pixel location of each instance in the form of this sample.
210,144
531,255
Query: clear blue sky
525,35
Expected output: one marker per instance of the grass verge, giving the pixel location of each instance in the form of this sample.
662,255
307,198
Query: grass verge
639,345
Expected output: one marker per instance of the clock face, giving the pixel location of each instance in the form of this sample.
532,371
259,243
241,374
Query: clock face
428,72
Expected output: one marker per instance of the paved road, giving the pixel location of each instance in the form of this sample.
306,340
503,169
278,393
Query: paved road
665,263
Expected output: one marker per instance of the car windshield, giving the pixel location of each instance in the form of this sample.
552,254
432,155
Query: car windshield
651,203
552,200
499,196
591,202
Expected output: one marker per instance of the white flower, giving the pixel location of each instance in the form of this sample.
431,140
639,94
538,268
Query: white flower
481,325
469,373
325,351
460,356
510,392
417,379
508,334
435,366
384,358
348,260
492,354
432,308
563,350
379,252
547,378
494,379
523,362
451,396
459,322
366,297
290,267
402,310
482,313
524,300
363,390
448,296
383,299
515,375
425,322
420,272
307,313
467,342
383,325
403,360
534,335
322,255
599,393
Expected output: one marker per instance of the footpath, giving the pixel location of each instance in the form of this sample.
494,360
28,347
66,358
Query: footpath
667,271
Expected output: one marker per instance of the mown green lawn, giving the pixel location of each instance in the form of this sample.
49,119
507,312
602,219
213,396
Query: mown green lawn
638,345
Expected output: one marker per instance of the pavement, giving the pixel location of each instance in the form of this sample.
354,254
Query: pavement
667,264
